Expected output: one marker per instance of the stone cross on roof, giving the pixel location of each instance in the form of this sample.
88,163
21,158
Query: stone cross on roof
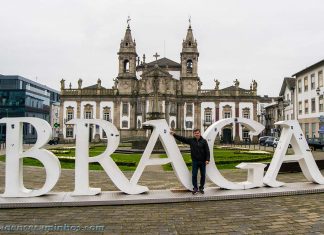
156,56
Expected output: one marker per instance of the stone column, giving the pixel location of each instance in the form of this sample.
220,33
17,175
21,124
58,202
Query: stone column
60,136
143,110
97,116
236,125
255,118
197,114
132,114
216,110
78,109
167,111
117,113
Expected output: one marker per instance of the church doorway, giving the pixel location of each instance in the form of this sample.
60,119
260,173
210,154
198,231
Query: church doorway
227,136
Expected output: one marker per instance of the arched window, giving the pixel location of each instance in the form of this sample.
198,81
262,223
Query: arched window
126,66
172,124
189,66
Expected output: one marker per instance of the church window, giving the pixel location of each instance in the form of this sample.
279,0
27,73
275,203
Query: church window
189,110
173,108
172,124
88,115
246,113
189,66
88,111
189,124
227,114
126,66
208,116
125,109
124,124
106,114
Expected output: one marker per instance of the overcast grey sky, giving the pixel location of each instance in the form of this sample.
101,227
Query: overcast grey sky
243,39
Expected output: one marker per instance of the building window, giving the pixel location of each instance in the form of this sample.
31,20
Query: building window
313,81
313,130
300,108
88,111
305,84
172,124
69,115
208,116
306,106
189,66
125,109
227,115
139,124
246,135
313,105
106,114
173,109
124,124
69,132
88,115
189,110
321,108
320,78
292,116
246,113
139,107
126,66
287,117
188,124
299,86
307,130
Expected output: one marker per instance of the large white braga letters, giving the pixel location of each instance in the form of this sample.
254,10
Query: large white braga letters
14,185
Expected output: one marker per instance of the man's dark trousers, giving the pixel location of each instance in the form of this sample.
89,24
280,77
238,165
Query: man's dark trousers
202,167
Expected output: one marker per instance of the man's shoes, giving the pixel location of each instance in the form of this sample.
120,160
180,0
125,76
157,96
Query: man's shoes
201,190
195,191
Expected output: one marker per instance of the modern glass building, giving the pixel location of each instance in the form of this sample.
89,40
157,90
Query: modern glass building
22,97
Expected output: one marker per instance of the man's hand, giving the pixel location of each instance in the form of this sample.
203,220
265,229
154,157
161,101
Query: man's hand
172,132
207,162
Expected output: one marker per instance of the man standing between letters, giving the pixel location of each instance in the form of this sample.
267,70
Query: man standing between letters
200,157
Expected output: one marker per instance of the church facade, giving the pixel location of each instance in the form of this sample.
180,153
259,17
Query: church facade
159,89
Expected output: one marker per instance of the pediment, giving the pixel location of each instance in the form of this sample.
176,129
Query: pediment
156,71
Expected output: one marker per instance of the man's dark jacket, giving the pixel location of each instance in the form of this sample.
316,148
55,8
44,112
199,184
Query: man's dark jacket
199,148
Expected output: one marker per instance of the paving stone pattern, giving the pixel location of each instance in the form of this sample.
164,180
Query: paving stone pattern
302,214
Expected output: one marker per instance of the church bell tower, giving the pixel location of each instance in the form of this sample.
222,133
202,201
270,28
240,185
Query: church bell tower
127,63
189,64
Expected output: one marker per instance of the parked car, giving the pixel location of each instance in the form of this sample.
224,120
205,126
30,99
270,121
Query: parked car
270,141
53,141
315,143
275,144
263,139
